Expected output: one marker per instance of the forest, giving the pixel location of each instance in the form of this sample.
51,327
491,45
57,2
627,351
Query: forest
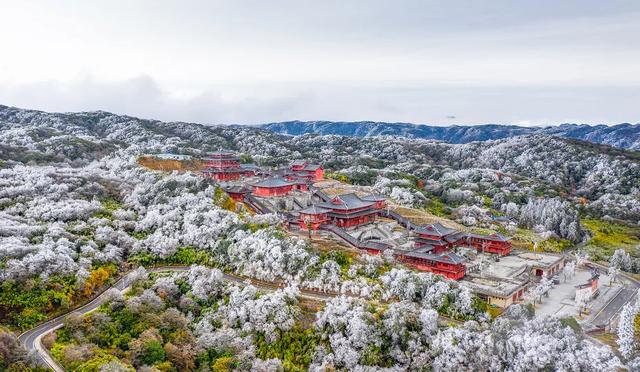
78,212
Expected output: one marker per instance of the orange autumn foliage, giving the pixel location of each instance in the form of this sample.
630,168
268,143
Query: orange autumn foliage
169,165
96,280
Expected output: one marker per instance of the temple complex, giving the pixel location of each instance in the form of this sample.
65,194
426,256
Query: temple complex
429,247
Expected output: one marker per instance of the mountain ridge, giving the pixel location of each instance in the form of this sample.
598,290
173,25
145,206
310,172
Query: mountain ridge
624,135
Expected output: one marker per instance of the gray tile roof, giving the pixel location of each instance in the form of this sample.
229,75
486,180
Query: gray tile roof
346,202
273,182
374,197
311,167
249,166
235,188
431,241
435,229
448,257
455,236
451,257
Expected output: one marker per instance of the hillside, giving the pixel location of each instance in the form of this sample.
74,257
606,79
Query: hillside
77,211
536,164
621,135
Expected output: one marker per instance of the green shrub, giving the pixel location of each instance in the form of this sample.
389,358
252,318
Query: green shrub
153,352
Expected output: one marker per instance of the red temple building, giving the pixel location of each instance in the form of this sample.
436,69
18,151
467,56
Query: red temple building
442,238
301,168
313,217
349,210
222,166
494,243
448,264
250,169
273,187
236,193
300,184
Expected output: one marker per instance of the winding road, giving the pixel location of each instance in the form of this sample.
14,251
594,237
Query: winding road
32,339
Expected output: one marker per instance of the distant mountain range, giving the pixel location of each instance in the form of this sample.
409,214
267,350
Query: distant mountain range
625,136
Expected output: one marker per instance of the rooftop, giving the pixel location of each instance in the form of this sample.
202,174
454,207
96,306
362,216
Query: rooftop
273,182
312,167
430,241
249,166
494,236
455,236
235,188
374,197
513,265
447,257
346,202
435,229
493,286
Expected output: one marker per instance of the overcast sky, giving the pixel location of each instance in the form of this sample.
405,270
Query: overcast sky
435,62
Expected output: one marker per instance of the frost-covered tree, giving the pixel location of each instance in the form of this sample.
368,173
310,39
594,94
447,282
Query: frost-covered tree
555,215
569,270
621,259
627,343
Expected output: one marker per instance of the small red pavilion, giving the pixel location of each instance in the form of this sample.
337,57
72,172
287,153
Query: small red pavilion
272,187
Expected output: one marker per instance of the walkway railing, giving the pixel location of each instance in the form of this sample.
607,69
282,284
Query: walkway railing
404,221
317,192
256,204
352,240
296,202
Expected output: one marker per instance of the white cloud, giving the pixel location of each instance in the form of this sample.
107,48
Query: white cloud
420,61
394,102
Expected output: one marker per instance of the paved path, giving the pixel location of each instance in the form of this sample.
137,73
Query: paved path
608,313
611,309
32,338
